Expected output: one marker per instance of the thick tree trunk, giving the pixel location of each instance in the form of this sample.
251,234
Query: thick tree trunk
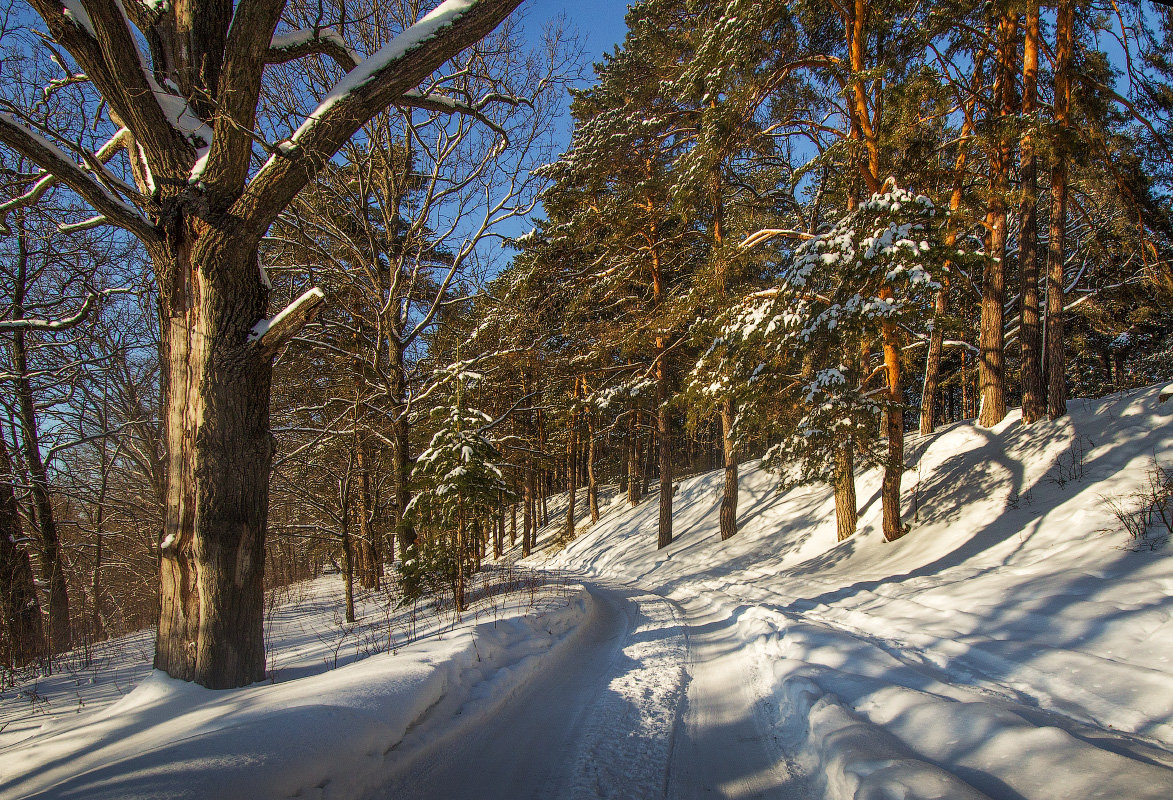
1056,356
729,496
219,450
894,465
24,638
846,511
1030,336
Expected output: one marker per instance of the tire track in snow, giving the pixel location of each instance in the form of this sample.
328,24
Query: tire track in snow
626,743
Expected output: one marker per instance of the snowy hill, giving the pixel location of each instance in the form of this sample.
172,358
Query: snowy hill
1016,642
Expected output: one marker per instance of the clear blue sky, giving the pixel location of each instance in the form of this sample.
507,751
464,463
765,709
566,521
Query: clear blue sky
600,23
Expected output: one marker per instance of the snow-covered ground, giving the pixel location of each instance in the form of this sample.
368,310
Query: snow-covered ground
341,699
1016,643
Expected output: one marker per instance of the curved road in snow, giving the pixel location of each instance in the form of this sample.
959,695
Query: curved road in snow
651,700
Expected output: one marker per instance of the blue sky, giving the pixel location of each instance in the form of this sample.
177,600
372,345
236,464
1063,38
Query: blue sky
600,23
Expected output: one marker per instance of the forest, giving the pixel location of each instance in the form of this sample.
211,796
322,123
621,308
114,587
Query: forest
802,232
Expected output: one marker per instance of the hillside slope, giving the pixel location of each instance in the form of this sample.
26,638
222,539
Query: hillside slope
1015,639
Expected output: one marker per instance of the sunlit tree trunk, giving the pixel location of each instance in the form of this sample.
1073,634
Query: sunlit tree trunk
1030,335
1056,356
992,367
729,494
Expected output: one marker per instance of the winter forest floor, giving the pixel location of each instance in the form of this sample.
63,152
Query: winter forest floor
1016,643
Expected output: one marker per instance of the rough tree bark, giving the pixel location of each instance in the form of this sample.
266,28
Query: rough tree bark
894,465
729,495
846,510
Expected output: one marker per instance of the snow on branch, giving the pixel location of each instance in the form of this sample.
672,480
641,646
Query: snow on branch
309,41
428,26
1166,394
64,323
272,333
40,150
381,81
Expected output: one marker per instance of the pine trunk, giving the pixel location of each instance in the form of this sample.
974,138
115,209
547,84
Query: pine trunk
592,482
634,460
1030,335
664,437
571,471
1056,357
528,521
729,496
894,465
846,511
992,368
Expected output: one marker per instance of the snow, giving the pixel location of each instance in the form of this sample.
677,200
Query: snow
440,17
1012,634
74,11
297,38
313,731
262,327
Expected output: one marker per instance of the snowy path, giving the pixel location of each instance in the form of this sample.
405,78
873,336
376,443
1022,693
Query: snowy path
650,700
726,746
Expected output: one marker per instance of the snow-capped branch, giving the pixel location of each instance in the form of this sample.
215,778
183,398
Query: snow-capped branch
1166,394
272,333
382,80
48,180
53,160
308,41
64,323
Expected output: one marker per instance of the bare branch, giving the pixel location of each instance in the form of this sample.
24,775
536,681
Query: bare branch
380,81
52,159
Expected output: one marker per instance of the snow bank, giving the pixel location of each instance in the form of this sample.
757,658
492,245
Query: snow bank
325,735
1014,644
